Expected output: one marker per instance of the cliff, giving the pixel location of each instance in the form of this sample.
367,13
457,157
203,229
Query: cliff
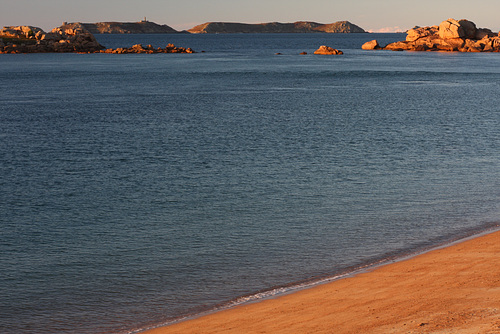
142,27
276,27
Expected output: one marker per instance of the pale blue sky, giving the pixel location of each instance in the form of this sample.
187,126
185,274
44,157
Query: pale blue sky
184,14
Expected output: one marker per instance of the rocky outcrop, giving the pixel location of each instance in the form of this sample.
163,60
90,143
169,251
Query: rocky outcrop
21,32
142,27
26,39
371,45
452,28
138,48
66,38
276,27
450,35
421,32
326,50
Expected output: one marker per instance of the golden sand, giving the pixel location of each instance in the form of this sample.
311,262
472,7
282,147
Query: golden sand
450,290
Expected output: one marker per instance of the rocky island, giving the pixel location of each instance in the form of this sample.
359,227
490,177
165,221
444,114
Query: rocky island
28,39
139,48
326,50
450,35
276,27
142,27
67,38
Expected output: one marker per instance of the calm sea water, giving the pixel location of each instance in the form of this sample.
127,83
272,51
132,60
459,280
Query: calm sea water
138,188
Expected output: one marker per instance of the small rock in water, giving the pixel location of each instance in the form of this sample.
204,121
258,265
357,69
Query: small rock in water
326,50
371,45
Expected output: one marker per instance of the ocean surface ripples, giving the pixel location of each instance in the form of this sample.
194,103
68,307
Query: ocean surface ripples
136,189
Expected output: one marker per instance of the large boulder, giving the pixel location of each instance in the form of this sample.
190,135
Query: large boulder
452,28
469,28
326,50
420,32
484,33
398,46
371,45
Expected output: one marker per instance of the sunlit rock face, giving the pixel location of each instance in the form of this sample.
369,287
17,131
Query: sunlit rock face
371,45
452,28
27,39
451,35
326,50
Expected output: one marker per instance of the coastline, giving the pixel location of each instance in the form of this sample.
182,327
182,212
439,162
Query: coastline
454,287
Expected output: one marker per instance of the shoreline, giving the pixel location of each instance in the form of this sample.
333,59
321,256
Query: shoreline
295,308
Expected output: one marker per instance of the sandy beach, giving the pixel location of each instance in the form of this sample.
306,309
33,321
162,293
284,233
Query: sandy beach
455,289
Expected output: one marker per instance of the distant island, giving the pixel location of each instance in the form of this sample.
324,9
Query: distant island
276,27
147,27
142,27
79,37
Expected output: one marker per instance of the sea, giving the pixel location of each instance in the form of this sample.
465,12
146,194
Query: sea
138,189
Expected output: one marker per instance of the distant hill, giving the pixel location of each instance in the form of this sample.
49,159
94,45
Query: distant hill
276,27
142,27
147,27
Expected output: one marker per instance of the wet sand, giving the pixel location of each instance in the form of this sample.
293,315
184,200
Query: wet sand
455,289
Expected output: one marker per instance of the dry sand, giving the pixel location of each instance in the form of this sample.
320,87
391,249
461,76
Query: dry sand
450,290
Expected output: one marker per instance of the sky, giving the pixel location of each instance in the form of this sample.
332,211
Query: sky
371,15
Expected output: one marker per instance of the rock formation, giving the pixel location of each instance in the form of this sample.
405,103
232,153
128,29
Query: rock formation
452,28
138,48
67,38
276,27
371,45
450,35
27,39
326,50
23,32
